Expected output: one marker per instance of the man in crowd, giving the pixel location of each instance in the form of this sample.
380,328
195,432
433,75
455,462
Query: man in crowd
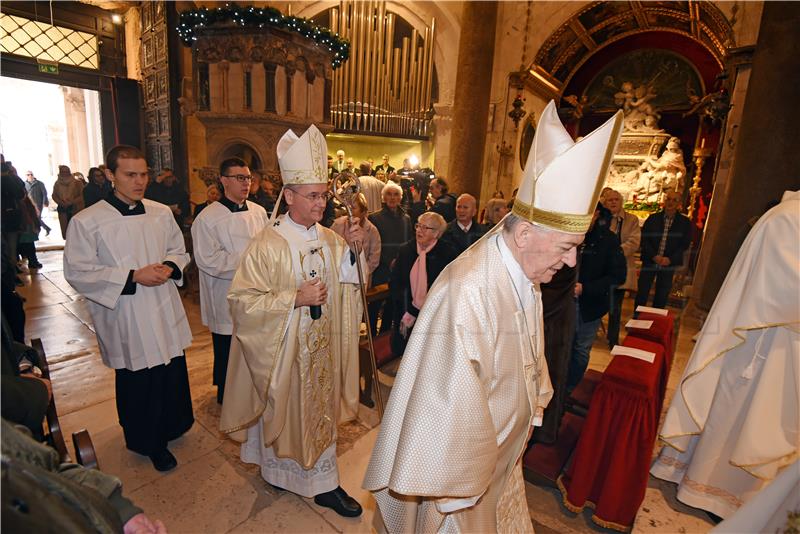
665,237
351,166
68,195
97,189
601,268
448,455
293,370
220,235
464,230
166,190
126,256
626,226
371,187
444,203
37,192
394,227
340,164
387,169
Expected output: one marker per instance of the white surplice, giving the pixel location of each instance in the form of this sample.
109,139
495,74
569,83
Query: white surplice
220,236
310,259
734,422
149,327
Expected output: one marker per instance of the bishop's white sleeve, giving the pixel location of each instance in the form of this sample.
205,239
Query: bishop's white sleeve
210,256
176,248
348,270
84,271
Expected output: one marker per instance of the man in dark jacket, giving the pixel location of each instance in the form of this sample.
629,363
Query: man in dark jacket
395,229
601,268
464,230
665,237
167,190
444,202
97,189
37,192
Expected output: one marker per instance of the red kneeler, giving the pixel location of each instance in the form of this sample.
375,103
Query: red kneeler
610,466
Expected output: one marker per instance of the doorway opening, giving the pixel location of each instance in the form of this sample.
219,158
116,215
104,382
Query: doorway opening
44,125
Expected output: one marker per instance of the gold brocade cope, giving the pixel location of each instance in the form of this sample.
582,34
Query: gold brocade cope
300,375
460,413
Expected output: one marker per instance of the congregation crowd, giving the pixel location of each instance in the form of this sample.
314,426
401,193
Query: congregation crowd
409,224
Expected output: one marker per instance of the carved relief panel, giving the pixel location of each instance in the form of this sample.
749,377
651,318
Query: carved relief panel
155,70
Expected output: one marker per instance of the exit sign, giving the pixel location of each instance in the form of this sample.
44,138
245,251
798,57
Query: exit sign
48,68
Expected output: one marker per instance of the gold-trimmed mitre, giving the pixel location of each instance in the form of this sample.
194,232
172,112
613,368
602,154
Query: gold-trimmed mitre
562,178
304,159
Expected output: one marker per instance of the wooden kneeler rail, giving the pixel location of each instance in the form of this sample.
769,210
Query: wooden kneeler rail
84,449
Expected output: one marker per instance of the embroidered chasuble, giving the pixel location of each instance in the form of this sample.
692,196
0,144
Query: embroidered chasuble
734,421
473,376
291,379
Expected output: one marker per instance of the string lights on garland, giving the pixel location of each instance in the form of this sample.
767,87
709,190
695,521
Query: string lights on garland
257,17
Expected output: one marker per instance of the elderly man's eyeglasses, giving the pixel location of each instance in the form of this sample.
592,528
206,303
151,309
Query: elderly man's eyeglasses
315,197
419,226
240,177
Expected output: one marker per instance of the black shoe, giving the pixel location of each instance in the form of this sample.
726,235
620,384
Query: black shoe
163,460
35,265
340,502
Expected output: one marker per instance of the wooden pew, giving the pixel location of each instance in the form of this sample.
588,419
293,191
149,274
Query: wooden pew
84,449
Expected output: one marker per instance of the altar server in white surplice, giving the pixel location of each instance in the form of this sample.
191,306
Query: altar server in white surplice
220,235
126,256
293,374
734,422
474,379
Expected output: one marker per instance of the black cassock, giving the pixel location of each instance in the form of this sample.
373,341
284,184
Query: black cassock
558,306
154,405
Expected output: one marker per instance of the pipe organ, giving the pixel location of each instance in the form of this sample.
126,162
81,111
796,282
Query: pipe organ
381,89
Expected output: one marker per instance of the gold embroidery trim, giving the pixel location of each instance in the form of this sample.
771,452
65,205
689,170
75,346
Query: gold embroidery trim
714,491
564,222
737,331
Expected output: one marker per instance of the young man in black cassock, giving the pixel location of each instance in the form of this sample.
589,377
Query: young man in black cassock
126,256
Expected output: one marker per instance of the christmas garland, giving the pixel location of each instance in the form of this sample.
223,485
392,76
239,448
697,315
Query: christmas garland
254,17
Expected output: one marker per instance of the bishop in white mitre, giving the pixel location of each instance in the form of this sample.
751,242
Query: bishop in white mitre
296,308
473,380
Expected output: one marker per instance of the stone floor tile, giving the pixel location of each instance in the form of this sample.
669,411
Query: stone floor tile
289,513
135,470
203,495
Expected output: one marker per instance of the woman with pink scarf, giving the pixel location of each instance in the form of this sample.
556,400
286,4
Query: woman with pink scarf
418,264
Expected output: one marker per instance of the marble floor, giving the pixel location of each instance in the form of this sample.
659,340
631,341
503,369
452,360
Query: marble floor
211,490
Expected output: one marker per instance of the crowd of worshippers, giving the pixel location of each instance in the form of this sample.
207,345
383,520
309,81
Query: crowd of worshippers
411,227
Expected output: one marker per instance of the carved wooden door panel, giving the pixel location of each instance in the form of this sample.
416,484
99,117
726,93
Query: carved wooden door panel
155,71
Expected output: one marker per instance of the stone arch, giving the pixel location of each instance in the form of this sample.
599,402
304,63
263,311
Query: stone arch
241,148
601,24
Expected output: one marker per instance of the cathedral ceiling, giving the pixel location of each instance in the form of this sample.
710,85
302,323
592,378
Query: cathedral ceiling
600,24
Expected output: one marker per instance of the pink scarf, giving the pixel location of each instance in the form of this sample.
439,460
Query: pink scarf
419,276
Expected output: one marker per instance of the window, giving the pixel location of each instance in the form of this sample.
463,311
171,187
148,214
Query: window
25,37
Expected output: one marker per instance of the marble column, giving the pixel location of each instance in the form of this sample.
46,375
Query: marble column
764,159
471,100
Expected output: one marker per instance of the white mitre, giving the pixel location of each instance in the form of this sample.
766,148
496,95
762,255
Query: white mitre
562,178
303,160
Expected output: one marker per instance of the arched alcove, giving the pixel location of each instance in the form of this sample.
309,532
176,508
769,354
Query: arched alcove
240,149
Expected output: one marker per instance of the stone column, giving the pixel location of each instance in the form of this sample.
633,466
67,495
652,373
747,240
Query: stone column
472,93
765,158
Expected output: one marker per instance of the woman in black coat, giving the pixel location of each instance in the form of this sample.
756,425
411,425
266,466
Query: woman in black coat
407,293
